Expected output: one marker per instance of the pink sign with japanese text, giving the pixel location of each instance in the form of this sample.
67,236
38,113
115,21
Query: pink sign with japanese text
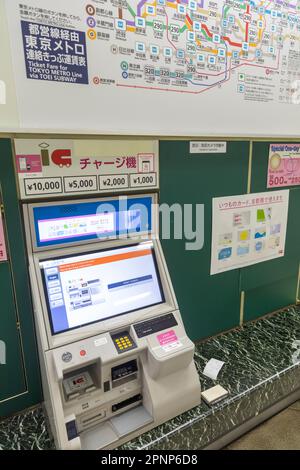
3,252
284,165
167,338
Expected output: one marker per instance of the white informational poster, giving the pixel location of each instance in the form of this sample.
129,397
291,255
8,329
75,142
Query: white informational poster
184,67
61,167
248,229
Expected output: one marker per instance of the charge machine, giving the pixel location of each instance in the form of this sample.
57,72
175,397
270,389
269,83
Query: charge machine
115,357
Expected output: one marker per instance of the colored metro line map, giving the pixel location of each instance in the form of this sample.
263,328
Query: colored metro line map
193,46
156,61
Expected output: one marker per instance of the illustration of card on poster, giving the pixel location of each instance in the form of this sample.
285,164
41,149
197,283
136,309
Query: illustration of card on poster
284,165
248,229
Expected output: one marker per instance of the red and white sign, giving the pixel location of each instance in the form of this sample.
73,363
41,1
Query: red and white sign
70,167
3,251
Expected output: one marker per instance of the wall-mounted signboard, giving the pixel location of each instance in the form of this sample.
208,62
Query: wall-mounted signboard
248,229
63,167
226,68
284,165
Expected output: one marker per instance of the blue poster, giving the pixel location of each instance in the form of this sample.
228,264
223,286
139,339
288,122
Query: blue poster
54,54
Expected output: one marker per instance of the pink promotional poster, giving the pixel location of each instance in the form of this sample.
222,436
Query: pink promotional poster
284,165
3,252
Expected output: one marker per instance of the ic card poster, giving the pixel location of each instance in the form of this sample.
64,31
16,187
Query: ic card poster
248,229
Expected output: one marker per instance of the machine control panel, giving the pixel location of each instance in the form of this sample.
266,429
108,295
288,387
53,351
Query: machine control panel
123,342
154,325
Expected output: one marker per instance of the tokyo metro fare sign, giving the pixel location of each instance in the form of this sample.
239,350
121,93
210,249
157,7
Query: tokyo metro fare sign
53,168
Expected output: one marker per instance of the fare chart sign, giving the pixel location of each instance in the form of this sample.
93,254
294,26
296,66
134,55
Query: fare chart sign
248,229
147,67
53,168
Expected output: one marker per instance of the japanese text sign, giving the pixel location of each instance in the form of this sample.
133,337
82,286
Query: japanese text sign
69,167
248,229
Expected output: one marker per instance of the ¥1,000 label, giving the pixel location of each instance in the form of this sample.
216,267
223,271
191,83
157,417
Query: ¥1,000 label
143,180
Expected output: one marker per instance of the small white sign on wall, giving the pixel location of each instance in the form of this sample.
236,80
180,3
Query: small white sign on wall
201,147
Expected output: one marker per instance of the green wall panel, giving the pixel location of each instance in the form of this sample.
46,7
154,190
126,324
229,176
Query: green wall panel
209,304
270,297
10,385
22,370
272,285
269,272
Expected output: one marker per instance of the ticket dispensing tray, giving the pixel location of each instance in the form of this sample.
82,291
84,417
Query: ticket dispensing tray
114,429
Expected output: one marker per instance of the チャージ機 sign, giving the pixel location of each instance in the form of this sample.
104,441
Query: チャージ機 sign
72,167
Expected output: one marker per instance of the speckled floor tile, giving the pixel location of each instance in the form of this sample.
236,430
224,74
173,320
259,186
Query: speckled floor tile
25,431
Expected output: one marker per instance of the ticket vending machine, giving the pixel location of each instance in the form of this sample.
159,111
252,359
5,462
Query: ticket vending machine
115,357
